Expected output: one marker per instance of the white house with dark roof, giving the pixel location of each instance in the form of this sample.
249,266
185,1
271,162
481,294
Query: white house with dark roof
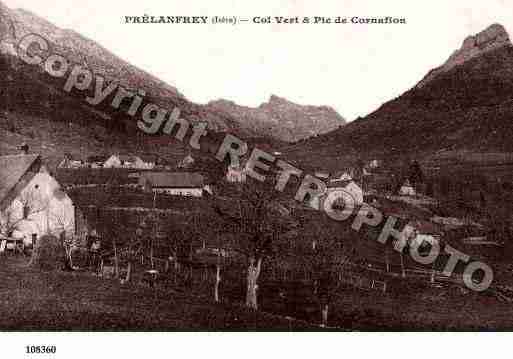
173,183
70,162
31,200
186,162
130,161
407,189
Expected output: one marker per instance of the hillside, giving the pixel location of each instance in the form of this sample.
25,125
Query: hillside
25,86
281,119
463,106
30,97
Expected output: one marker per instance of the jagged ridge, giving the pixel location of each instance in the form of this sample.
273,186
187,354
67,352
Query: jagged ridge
283,119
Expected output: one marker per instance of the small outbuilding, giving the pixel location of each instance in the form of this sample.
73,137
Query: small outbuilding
407,189
236,174
126,161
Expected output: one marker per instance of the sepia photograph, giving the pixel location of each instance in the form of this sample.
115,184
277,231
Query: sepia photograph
318,168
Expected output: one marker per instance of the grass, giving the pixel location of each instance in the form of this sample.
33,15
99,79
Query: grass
78,301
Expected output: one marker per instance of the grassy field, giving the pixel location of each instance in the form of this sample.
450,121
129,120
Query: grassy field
34,300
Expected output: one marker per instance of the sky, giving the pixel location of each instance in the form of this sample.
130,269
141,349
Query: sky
352,68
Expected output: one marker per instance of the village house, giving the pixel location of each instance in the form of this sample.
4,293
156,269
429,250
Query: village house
114,161
342,183
373,164
322,175
236,174
70,162
119,161
130,161
96,161
173,183
145,161
423,232
342,176
31,199
186,162
407,189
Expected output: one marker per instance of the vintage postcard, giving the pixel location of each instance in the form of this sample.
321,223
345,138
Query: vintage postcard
169,167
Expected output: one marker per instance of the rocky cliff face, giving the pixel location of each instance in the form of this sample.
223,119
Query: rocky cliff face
491,38
282,119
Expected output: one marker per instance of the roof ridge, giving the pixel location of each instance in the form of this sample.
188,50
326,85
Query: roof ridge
22,154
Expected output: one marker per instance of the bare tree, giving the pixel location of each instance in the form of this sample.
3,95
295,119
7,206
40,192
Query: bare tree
327,256
251,214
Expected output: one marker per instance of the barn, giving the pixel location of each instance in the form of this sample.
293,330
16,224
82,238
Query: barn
173,183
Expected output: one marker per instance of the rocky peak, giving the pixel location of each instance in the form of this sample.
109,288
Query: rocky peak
491,38
282,119
277,100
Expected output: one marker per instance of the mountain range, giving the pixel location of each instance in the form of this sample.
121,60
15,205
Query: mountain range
460,108
463,107
25,88
282,119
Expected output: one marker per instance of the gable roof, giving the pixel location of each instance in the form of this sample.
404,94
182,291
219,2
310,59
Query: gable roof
187,161
343,176
126,158
148,157
97,158
13,168
174,179
339,183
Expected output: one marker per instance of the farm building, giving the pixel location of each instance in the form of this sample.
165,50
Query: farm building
114,161
342,176
374,164
186,162
96,161
128,161
70,162
31,199
322,174
407,189
145,161
236,174
348,186
173,183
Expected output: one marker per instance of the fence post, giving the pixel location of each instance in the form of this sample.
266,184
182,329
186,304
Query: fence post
402,266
